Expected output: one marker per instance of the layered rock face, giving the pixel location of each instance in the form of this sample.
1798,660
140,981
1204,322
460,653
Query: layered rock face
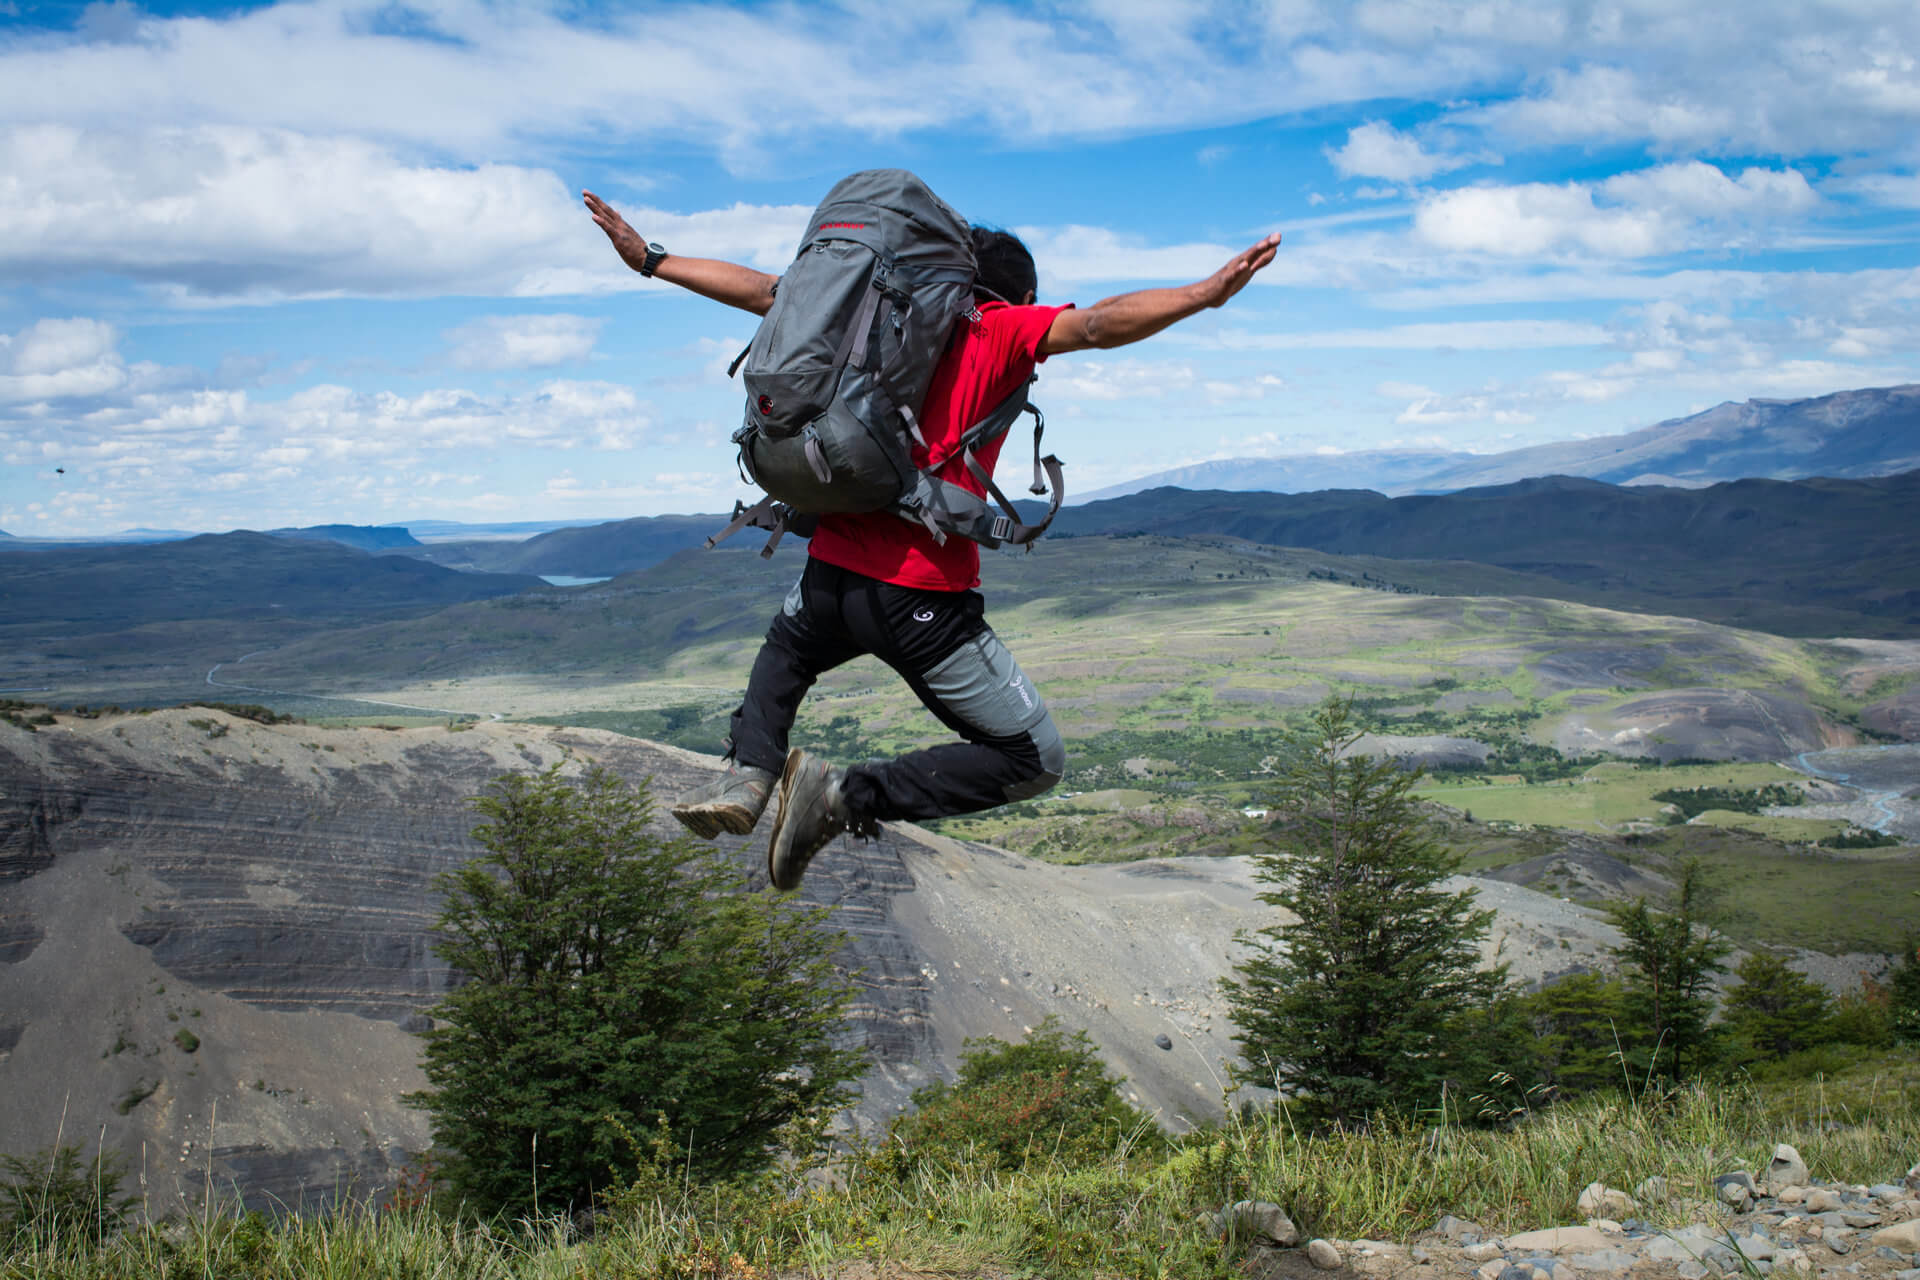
215,943
215,938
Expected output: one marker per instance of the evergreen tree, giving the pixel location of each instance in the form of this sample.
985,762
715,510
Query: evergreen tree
613,980
1775,1010
1576,1025
1355,1000
1670,959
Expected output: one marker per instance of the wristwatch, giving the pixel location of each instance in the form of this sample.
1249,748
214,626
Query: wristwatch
656,254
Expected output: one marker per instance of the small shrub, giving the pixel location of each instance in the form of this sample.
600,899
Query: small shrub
188,1042
1047,1096
57,1194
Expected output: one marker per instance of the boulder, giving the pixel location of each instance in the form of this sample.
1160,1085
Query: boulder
1559,1240
1901,1235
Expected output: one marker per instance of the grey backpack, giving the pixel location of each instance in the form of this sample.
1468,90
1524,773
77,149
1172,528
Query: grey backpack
838,370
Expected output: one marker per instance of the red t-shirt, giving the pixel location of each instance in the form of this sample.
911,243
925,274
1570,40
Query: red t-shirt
987,361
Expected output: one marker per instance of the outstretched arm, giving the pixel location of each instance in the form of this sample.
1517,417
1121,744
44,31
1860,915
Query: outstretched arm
1129,317
727,282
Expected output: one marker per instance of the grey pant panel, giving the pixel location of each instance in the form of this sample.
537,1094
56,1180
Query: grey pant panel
982,684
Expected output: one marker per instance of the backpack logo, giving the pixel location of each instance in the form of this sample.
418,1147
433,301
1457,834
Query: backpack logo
923,615
764,404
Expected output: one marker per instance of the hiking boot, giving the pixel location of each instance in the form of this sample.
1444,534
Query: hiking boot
812,812
731,802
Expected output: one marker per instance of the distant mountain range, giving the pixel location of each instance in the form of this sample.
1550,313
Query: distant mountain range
1849,434
1785,556
596,551
88,590
358,536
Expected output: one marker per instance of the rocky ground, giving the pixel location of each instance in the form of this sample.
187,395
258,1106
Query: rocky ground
1779,1221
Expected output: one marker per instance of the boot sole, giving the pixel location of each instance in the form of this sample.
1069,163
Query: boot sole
788,773
709,820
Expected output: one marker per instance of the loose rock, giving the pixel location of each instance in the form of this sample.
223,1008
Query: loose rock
1261,1219
1601,1201
1901,1235
1787,1169
1322,1254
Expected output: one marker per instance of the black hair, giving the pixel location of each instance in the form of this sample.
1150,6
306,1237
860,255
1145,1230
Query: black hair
1006,272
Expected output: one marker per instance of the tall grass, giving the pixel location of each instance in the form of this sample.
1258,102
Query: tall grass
1126,1213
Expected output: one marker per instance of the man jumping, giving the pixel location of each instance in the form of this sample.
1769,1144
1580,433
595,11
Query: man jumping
878,584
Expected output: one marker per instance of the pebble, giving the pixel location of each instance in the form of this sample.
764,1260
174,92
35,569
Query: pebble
1322,1254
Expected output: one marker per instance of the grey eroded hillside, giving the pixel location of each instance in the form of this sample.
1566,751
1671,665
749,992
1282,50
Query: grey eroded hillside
214,942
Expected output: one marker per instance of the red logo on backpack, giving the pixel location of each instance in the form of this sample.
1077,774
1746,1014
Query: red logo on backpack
764,404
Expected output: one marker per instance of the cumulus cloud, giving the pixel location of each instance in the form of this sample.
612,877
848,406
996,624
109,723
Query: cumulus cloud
60,360
522,342
1378,150
320,445
224,212
1631,215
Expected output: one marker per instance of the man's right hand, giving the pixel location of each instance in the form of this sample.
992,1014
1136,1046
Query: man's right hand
1240,268
1129,317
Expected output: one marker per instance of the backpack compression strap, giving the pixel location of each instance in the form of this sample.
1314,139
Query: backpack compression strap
777,517
943,507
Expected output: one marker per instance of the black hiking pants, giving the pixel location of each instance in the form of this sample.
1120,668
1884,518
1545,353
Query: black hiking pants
940,644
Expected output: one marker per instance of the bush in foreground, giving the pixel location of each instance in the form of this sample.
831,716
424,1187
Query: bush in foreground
1048,1096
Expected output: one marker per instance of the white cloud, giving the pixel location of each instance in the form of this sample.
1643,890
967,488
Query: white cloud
60,360
1465,335
1218,391
225,212
1785,78
321,445
522,342
1111,379
1897,190
1632,215
1378,150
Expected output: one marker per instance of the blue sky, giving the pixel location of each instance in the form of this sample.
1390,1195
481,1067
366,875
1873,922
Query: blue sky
267,265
